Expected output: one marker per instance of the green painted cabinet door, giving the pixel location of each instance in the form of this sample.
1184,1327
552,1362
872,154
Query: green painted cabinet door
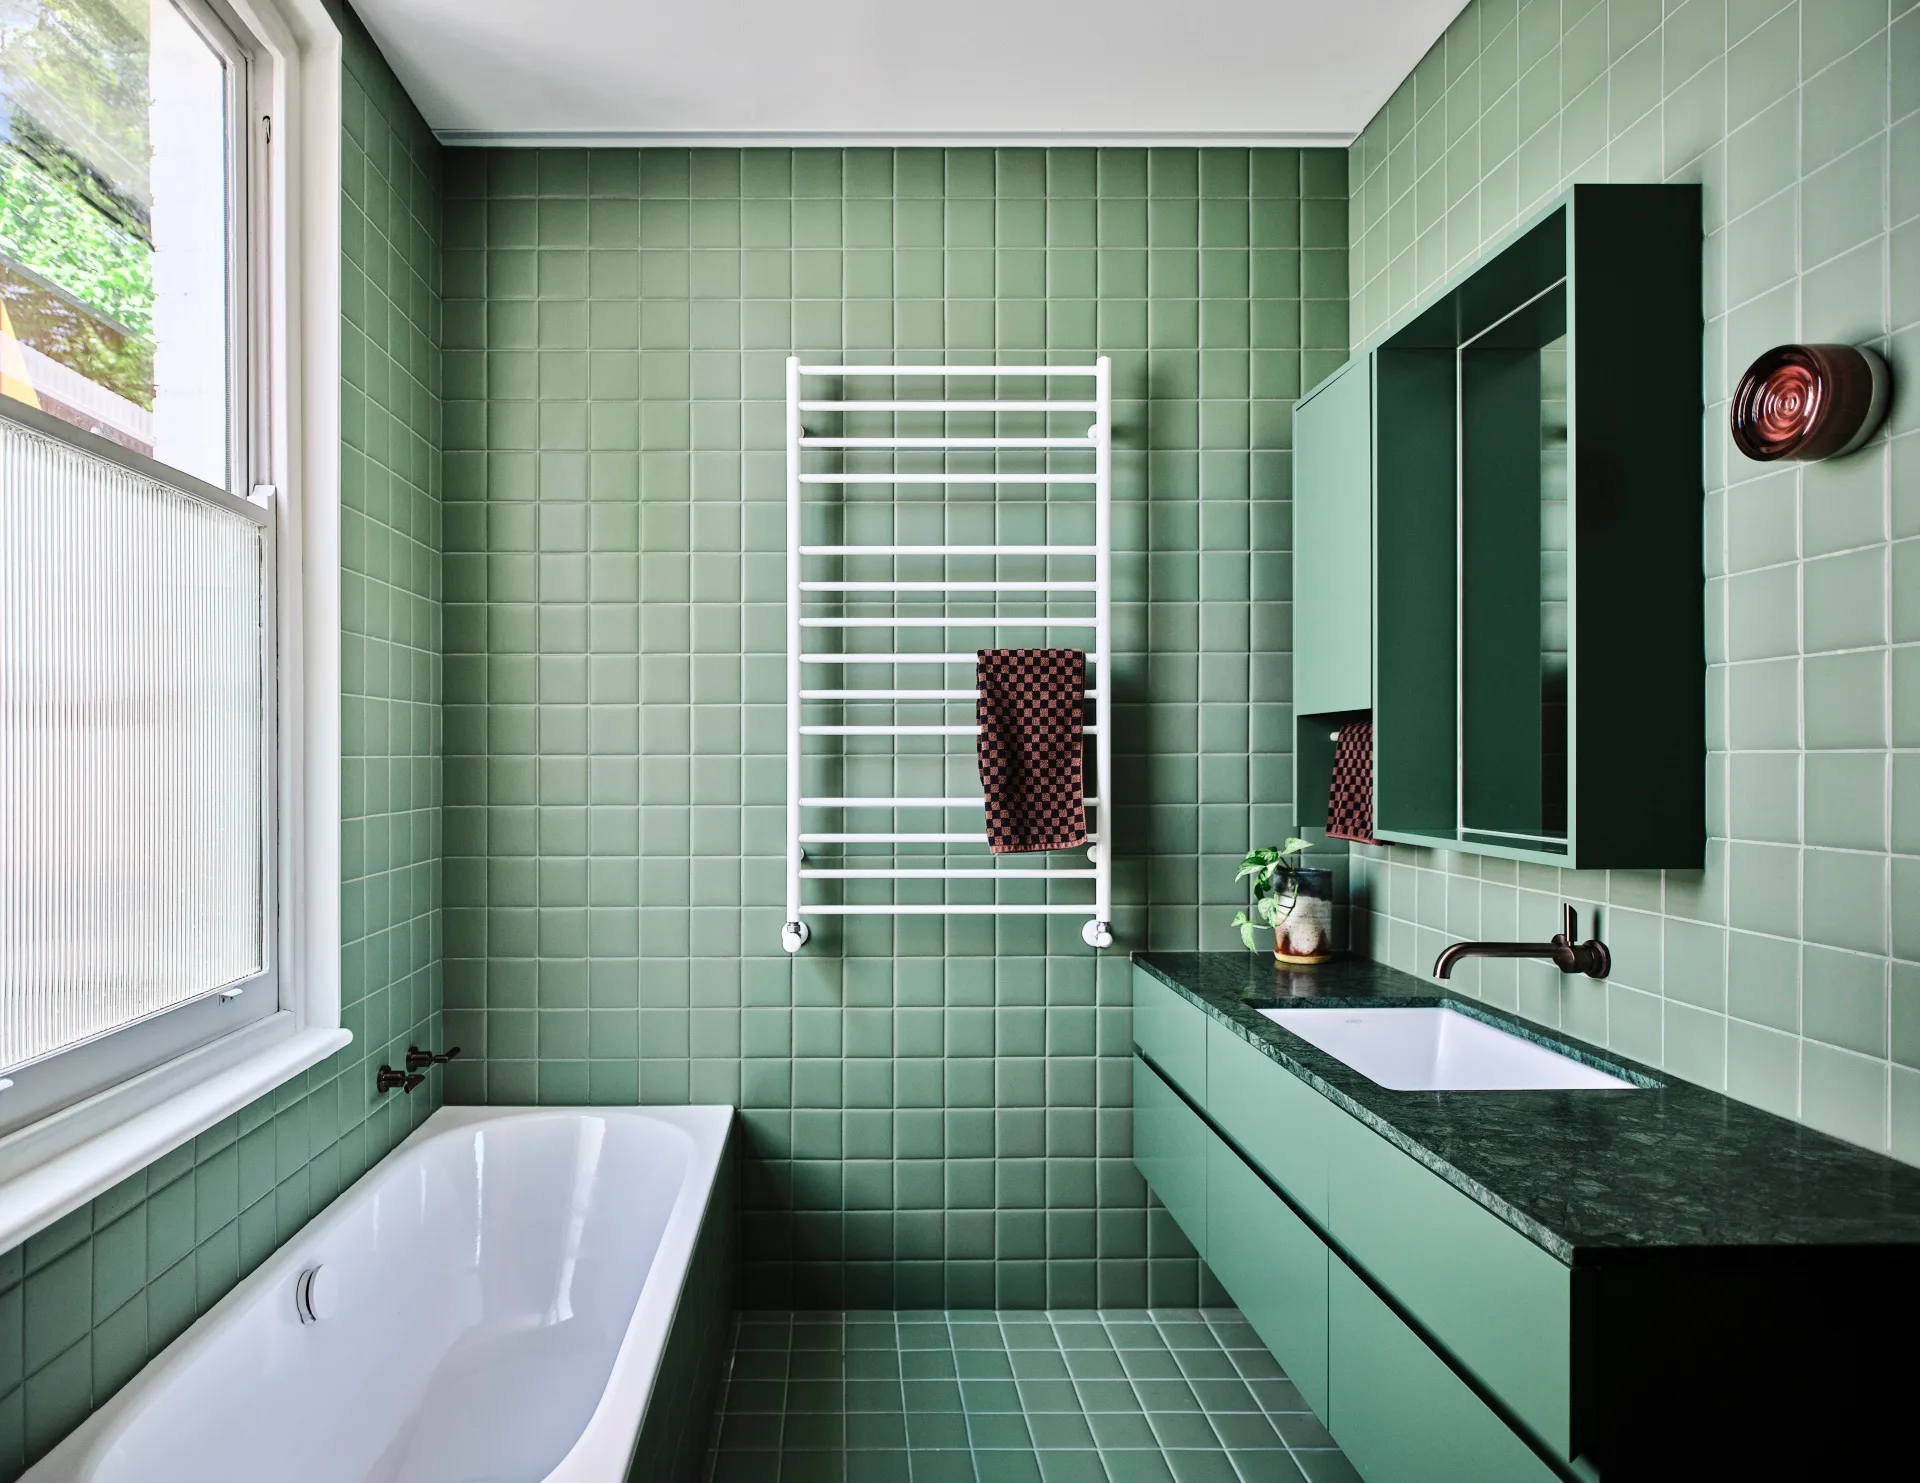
1273,1266
1279,1122
1496,1302
1399,1413
1332,544
1171,1031
1170,1151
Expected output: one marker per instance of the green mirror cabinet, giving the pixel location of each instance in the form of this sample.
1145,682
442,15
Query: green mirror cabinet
1498,547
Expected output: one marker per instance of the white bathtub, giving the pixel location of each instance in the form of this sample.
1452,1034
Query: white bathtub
505,1285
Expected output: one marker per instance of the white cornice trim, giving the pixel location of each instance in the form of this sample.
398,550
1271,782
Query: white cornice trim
778,139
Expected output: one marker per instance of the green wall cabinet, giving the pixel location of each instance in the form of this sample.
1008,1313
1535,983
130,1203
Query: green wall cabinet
1538,667
1332,544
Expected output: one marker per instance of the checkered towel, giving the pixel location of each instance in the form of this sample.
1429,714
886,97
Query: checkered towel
1350,800
1031,769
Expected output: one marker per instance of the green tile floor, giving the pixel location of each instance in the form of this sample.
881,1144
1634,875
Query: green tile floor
1113,1395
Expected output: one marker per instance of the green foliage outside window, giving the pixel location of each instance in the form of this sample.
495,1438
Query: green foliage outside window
49,227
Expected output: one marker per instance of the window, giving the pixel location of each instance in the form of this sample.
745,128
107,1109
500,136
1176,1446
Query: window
122,162
168,746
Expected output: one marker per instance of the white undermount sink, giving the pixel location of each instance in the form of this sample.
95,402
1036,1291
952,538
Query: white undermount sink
1439,1050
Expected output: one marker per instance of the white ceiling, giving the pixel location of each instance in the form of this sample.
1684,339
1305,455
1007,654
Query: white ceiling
903,71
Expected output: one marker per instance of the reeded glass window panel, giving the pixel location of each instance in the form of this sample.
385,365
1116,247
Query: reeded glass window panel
132,699
116,224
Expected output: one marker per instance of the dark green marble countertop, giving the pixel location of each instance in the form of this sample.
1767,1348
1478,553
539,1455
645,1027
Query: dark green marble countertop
1590,1176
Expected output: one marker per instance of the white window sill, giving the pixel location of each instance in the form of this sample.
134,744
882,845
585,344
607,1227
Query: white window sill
56,1165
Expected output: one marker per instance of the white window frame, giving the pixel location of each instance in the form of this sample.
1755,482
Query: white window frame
289,399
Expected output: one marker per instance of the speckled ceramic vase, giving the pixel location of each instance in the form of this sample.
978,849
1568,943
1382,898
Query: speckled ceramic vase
1305,933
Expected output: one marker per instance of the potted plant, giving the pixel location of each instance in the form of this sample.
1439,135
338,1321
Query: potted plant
1290,900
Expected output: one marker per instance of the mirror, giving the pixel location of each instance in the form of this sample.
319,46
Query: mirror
1513,521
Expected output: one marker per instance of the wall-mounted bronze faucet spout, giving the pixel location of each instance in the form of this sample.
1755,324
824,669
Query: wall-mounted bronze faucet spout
1590,957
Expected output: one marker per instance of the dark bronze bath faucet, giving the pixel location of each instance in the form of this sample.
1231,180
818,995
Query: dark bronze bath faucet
1590,957
418,1063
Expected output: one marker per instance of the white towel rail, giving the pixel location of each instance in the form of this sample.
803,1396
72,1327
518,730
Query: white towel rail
1062,551
900,838
956,372
818,873
826,587
949,909
946,587
974,802
970,657
959,620
1093,729
933,406
958,443
939,695
947,479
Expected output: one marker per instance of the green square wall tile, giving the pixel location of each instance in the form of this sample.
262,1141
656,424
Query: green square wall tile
1785,116
1844,1000
1844,1094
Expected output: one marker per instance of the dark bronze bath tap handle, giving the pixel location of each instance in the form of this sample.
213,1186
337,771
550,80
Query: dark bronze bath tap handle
419,1060
390,1080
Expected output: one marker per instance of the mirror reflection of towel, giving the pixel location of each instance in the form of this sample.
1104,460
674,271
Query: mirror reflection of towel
1031,768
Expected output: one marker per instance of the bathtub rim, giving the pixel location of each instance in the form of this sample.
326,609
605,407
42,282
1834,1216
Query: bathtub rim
603,1452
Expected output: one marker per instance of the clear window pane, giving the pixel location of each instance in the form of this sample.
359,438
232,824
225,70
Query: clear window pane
115,225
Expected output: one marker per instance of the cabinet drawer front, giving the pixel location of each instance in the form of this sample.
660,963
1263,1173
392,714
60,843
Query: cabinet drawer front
1277,1119
1498,1303
1399,1413
1172,1033
1273,1266
1170,1151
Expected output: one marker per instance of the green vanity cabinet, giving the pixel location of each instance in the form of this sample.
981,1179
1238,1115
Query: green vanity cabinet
1397,1410
1170,1151
1279,1124
1432,1339
1275,1266
1332,544
1171,1033
1501,1305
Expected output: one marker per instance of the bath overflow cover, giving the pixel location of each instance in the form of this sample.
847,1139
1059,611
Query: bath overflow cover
316,1293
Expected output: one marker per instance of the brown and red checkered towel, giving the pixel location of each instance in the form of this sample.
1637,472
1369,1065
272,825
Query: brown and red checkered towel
1031,768
1350,800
